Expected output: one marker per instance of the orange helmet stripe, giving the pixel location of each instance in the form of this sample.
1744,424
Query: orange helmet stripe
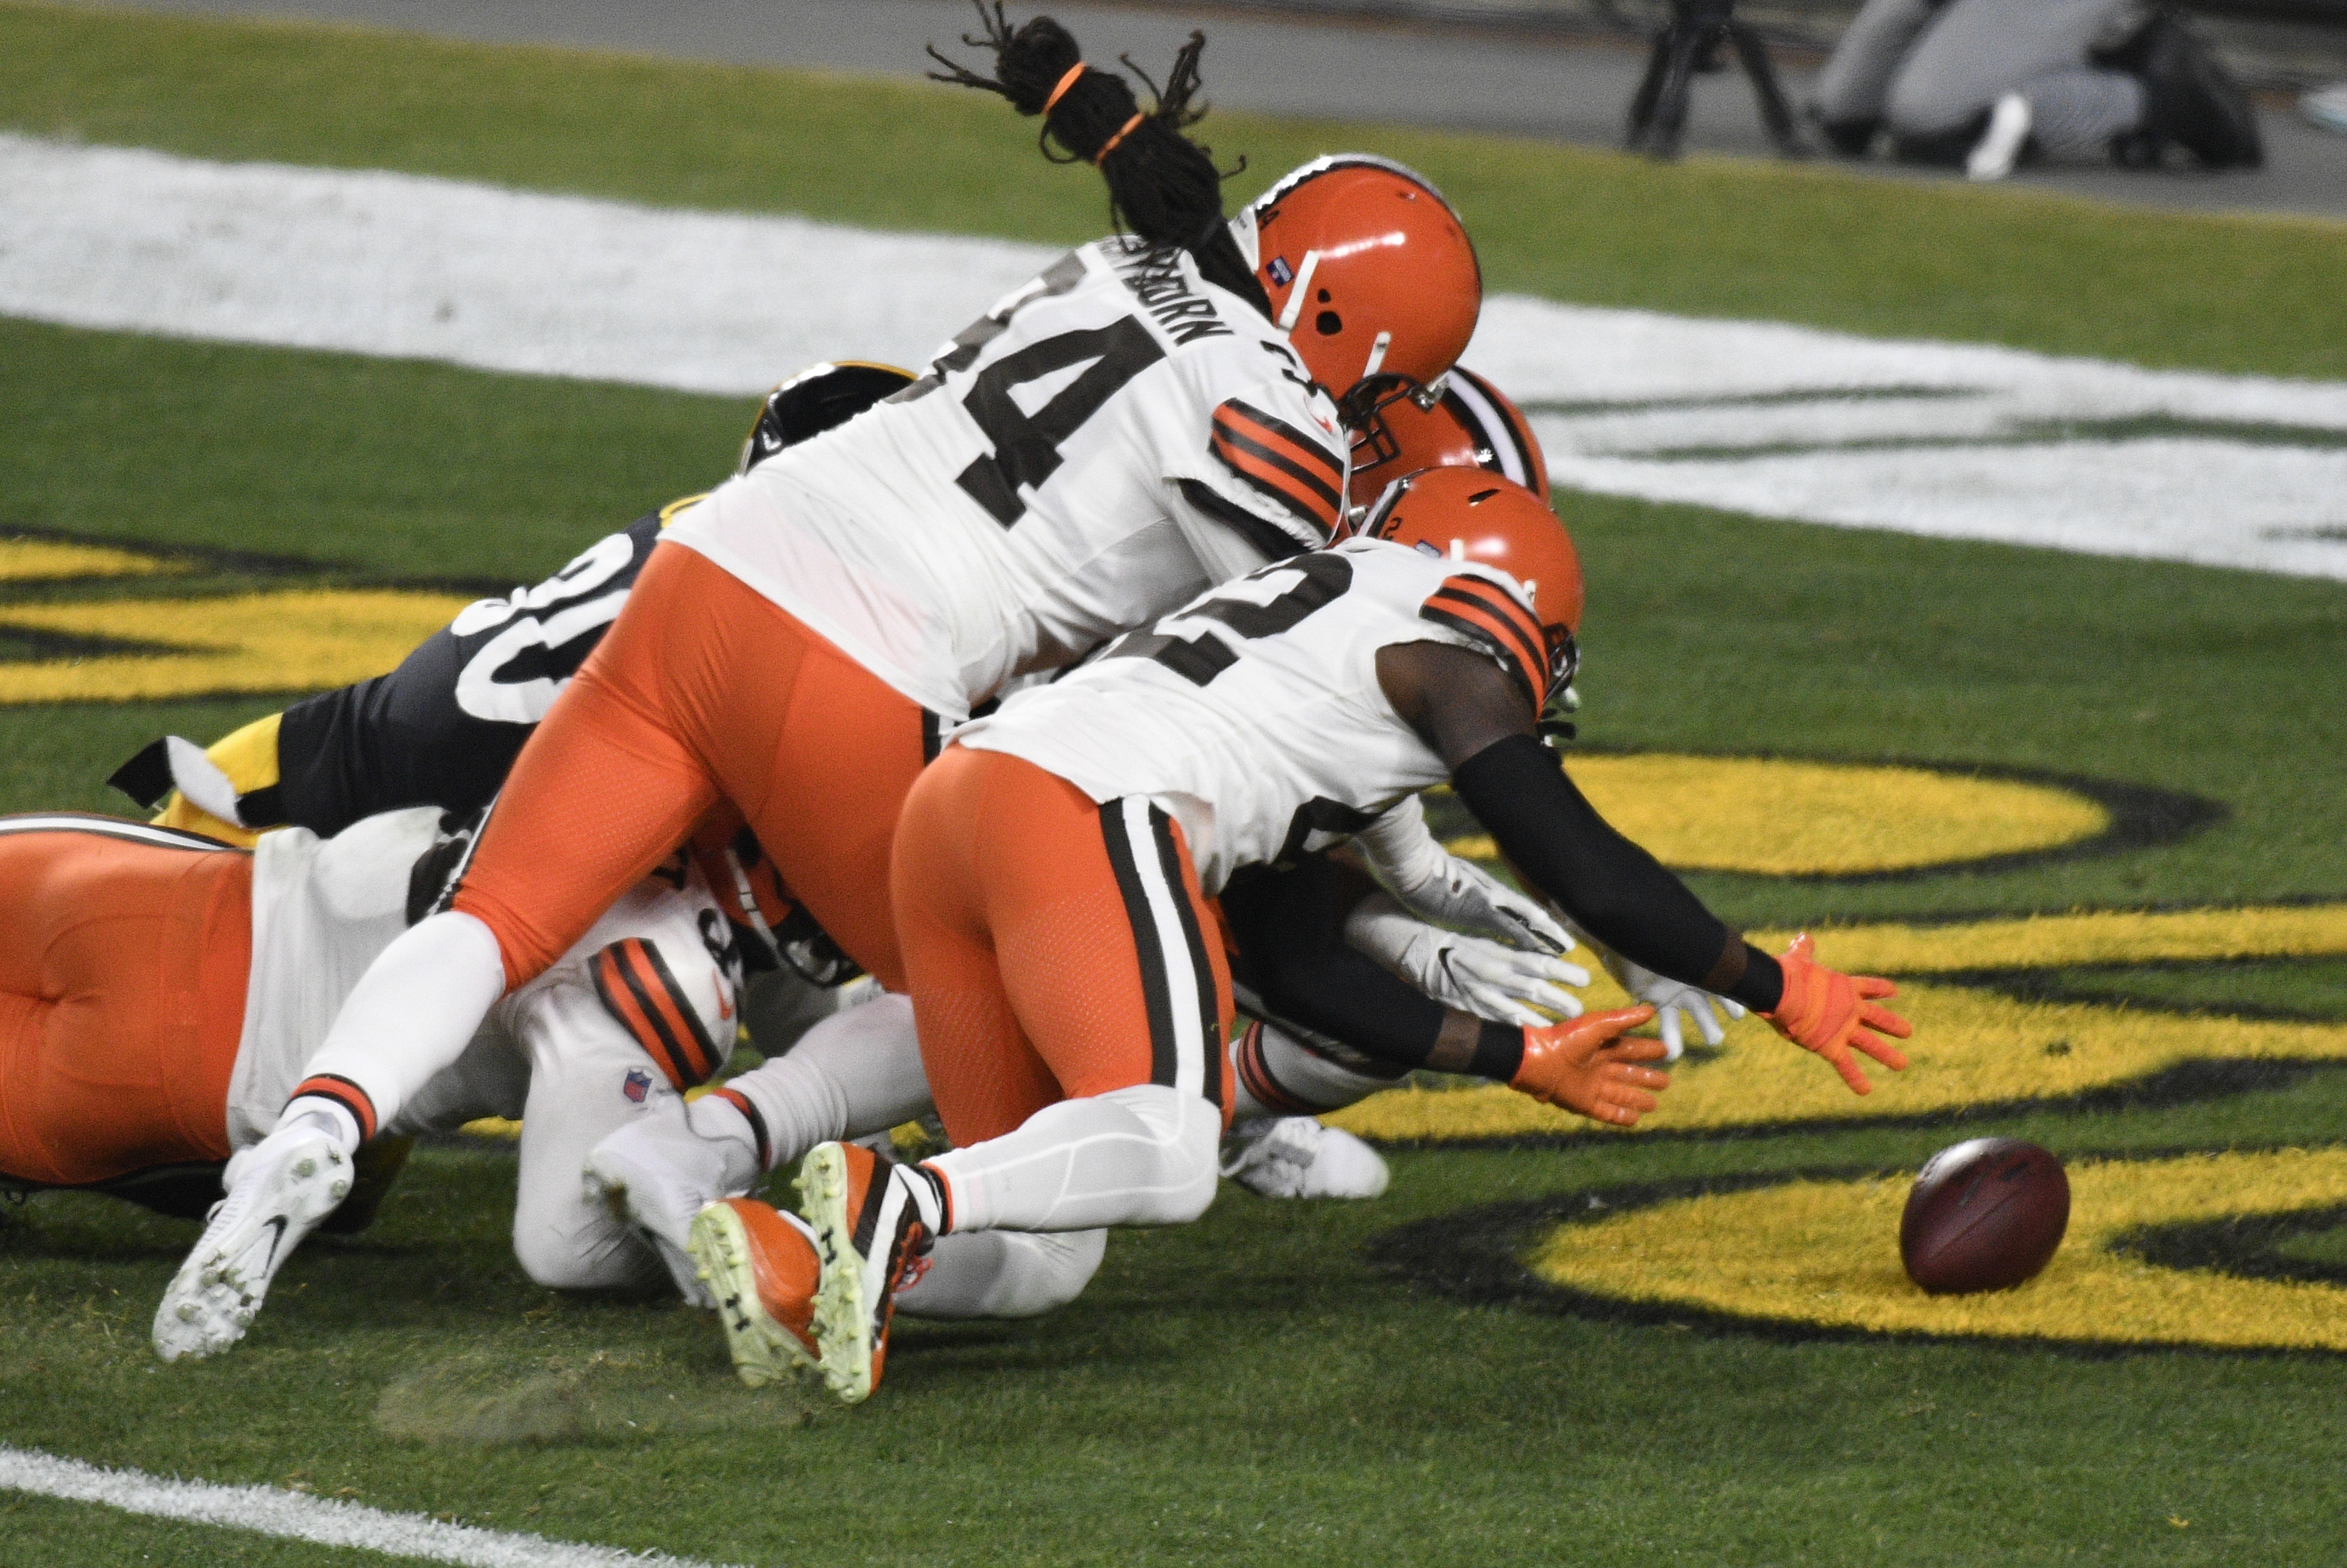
637,988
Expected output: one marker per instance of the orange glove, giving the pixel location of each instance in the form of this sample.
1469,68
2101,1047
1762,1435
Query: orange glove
1829,1012
1582,1066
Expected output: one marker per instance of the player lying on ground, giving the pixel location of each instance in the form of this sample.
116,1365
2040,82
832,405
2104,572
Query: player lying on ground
1052,866
162,993
796,639
1428,998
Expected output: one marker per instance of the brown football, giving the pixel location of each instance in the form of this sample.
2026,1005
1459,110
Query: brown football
1985,1215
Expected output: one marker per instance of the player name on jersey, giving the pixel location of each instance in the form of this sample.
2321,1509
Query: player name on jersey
1156,278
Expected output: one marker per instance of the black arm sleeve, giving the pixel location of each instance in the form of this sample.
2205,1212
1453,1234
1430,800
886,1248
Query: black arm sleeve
1620,894
1287,928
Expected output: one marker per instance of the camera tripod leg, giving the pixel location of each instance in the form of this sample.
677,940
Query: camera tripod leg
1775,112
1687,45
1658,112
1650,86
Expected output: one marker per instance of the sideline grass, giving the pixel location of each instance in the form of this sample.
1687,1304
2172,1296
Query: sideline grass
1707,237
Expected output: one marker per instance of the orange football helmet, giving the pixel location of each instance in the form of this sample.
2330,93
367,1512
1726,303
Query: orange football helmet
1471,426
1371,275
1466,513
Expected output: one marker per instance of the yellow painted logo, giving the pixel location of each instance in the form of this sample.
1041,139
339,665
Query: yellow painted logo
297,640
1824,1253
1777,817
1973,1046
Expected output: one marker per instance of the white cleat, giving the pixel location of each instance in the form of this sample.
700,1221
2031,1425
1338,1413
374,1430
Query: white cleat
1297,1157
657,1173
2000,144
278,1190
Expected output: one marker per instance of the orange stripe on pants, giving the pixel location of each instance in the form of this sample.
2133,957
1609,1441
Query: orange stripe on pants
122,979
1020,955
703,690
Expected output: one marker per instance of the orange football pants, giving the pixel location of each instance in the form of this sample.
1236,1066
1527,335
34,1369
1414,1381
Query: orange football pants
123,961
1055,948
703,690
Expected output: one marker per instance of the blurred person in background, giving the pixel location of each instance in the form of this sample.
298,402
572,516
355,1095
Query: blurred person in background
2326,107
1986,84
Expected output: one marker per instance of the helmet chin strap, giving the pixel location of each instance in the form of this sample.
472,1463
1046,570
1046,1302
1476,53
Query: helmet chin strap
1376,354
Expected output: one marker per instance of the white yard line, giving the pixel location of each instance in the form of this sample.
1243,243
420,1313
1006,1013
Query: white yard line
326,1521
413,268
1959,440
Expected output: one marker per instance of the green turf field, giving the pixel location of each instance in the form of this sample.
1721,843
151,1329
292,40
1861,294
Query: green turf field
1280,1382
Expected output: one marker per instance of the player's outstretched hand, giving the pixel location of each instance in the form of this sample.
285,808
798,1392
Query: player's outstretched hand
1833,1014
1493,980
1672,1000
1586,1066
1489,980
1462,895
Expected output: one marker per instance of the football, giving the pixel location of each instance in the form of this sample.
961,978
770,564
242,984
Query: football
1984,1215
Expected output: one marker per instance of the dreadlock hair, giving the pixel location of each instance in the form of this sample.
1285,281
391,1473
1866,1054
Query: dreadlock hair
1162,187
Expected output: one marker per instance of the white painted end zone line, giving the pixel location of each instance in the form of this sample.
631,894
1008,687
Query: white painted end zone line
1948,440
325,1522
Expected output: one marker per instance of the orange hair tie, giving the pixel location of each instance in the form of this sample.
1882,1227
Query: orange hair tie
1121,132
1061,91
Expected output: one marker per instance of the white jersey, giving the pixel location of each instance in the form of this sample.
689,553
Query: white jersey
646,999
1100,446
1253,714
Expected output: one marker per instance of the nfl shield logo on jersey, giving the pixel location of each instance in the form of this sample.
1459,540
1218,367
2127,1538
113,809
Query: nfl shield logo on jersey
638,1084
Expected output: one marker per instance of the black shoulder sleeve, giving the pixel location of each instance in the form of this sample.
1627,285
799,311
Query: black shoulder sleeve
444,727
1620,894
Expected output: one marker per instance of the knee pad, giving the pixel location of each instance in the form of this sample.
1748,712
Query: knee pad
1188,1131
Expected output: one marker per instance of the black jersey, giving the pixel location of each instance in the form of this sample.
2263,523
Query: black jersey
444,727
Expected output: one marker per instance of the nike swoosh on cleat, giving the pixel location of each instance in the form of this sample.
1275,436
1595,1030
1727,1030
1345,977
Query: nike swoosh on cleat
277,1223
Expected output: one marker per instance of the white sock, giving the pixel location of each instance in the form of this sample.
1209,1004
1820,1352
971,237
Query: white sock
1280,1075
720,1123
411,1016
1004,1273
855,1072
1138,1156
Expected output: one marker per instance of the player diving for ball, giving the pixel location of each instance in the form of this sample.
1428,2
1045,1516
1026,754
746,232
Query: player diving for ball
1053,870
1146,418
160,994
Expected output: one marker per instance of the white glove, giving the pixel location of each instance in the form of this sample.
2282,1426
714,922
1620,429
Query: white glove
1492,981
1437,886
1670,999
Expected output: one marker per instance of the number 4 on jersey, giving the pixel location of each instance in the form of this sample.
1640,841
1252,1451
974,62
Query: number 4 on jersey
1027,446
